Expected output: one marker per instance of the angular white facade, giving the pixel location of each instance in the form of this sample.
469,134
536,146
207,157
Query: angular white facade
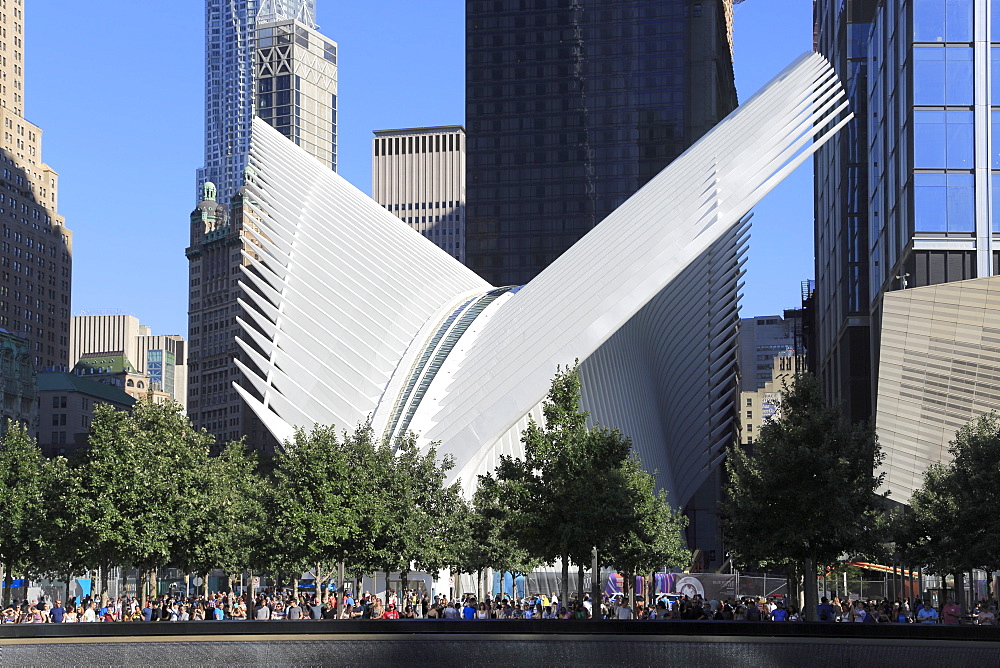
355,316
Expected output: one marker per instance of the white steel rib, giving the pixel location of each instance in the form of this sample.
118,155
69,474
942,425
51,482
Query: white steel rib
354,316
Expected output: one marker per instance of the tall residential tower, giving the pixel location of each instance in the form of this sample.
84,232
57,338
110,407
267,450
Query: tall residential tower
36,248
573,105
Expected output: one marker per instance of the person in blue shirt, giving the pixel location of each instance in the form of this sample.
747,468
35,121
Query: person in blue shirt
57,613
469,609
780,614
824,611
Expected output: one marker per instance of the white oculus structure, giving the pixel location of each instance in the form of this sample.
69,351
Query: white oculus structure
351,315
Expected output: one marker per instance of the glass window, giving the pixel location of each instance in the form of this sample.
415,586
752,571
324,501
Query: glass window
995,213
943,139
961,203
942,76
929,202
995,149
995,20
942,20
995,75
958,20
928,20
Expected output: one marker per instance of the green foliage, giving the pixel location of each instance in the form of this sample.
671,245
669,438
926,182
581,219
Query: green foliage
139,488
808,491
952,524
231,518
575,489
22,505
310,508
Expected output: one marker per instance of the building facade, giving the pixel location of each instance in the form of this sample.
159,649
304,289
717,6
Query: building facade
762,338
758,406
263,58
940,368
418,175
234,55
216,255
18,376
36,248
66,403
296,83
907,199
162,358
571,107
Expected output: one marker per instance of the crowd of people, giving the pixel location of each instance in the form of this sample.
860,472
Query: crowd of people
286,605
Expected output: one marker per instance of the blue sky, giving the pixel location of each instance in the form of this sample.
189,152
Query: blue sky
118,91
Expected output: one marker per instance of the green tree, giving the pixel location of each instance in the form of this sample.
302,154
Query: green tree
312,507
22,504
808,493
231,514
578,488
139,489
648,531
952,525
63,551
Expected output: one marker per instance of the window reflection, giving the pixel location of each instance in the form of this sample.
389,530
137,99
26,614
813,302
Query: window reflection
944,202
943,139
942,75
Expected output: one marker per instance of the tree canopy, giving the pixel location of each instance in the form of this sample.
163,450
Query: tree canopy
807,493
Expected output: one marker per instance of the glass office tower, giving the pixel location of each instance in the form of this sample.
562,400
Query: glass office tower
571,106
926,166
230,27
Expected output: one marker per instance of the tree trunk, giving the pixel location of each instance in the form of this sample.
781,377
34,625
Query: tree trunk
204,586
104,584
809,583
69,576
340,580
8,582
151,583
564,585
595,585
631,590
960,590
253,592
579,584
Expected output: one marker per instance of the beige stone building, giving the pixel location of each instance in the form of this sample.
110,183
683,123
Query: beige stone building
418,174
161,358
759,406
939,368
35,246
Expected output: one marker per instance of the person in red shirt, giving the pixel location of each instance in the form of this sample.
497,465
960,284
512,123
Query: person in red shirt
390,613
951,613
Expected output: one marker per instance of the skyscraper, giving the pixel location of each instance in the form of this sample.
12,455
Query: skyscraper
905,198
418,174
36,248
573,105
262,58
235,52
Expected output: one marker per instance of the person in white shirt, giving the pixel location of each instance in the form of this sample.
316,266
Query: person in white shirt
90,615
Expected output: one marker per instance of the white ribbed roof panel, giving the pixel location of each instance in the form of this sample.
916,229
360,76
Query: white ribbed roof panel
596,286
355,285
355,304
